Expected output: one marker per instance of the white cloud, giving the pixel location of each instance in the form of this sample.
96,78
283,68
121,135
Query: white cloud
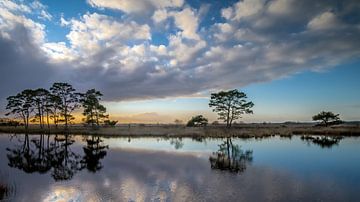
188,22
326,20
183,51
160,15
281,7
135,6
117,56
11,20
12,6
58,52
95,30
227,13
243,9
64,22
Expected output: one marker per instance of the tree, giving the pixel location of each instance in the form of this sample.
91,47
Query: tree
230,157
39,99
198,120
110,123
326,118
69,100
53,108
21,106
178,122
93,110
230,105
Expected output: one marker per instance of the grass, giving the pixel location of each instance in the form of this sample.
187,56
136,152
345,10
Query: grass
241,130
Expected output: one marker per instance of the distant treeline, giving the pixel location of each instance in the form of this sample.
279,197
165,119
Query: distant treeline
57,105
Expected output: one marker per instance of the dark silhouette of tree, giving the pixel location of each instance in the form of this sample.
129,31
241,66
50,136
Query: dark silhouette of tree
40,98
230,105
29,158
230,157
198,120
323,142
94,152
69,100
53,108
93,110
64,161
110,123
177,142
327,118
178,122
37,156
21,106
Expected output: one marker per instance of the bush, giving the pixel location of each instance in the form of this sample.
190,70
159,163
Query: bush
110,123
198,120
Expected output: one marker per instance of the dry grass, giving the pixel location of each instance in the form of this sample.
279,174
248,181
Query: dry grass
243,130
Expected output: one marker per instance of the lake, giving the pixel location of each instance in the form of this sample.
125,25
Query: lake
86,168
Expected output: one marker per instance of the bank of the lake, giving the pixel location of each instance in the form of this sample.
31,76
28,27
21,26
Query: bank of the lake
155,130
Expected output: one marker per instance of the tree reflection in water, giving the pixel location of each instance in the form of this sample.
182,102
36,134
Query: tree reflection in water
94,152
177,142
56,156
230,157
323,142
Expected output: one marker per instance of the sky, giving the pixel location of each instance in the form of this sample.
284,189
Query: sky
159,60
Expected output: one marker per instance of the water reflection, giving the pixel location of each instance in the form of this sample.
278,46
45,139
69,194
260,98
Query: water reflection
150,169
177,143
94,152
7,190
55,155
323,142
230,157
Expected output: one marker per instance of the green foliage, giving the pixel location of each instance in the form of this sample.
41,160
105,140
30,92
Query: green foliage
198,120
327,118
230,105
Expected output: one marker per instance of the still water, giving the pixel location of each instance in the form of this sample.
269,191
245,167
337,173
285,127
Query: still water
85,168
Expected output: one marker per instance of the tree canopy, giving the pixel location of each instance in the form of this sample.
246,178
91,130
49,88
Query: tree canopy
198,120
93,110
58,103
327,118
230,105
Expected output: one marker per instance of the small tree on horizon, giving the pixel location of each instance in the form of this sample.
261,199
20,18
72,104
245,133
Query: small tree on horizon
198,120
326,118
178,122
230,105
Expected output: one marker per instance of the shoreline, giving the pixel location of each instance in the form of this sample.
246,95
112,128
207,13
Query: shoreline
245,130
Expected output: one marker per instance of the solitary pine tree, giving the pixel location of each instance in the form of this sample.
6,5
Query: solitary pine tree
230,105
326,117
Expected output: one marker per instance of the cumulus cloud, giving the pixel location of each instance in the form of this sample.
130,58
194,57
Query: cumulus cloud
326,20
254,41
135,6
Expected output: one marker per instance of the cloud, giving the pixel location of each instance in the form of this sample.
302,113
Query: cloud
135,6
326,20
121,57
243,9
22,63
